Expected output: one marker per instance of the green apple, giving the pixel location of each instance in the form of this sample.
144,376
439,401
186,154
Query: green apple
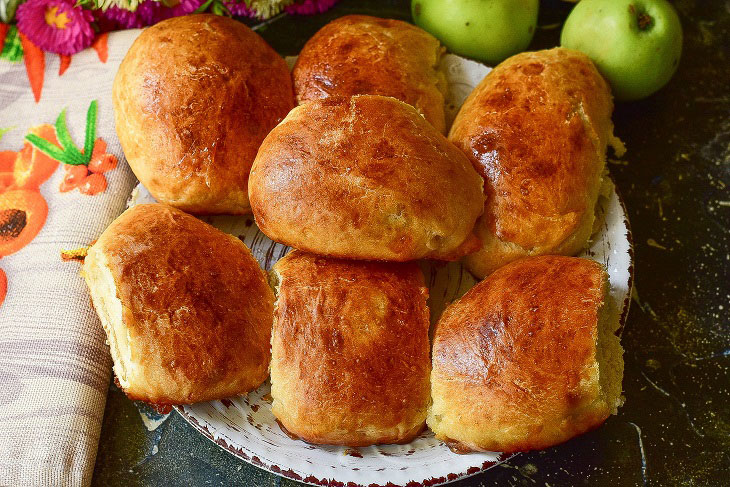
486,30
635,44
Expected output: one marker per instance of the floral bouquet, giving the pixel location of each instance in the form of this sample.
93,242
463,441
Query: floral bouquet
30,28
66,27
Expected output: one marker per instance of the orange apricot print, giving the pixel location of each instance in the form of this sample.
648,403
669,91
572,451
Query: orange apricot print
23,210
7,164
80,176
33,167
75,175
99,148
7,160
23,213
93,184
6,181
105,163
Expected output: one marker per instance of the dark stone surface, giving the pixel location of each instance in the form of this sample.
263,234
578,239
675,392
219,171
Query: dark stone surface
675,426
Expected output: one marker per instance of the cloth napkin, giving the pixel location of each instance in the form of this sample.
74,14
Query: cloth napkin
54,362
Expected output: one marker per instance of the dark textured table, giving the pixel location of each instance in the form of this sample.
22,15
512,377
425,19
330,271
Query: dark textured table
675,426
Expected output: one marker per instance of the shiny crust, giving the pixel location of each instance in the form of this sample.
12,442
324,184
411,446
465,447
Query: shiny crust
515,359
536,129
365,178
196,305
193,99
362,55
350,350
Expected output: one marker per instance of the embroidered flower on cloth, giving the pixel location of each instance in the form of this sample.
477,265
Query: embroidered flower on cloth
56,25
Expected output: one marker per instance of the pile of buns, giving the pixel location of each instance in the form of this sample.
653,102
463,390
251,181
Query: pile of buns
360,180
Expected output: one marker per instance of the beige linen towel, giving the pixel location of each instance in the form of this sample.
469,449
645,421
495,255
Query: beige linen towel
54,363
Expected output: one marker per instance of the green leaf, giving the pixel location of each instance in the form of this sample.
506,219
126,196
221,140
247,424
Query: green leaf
7,10
203,7
130,5
71,152
12,50
219,8
90,131
50,149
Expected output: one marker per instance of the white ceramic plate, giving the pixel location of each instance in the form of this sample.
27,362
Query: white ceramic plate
245,426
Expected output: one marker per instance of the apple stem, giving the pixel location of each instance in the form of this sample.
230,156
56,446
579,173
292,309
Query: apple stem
645,21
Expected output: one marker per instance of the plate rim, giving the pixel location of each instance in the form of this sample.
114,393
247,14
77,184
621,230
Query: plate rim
312,480
451,477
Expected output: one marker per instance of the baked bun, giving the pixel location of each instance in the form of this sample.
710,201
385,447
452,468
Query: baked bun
186,308
193,99
363,55
350,350
365,178
528,358
536,129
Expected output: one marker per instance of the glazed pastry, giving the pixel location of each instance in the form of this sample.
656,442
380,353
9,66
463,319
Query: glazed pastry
362,55
193,99
365,178
536,129
350,350
528,358
186,308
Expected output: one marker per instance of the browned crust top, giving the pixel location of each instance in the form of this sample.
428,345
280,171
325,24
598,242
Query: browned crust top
196,303
536,129
351,349
365,178
520,349
193,98
363,55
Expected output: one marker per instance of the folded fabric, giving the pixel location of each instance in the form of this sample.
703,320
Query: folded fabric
63,179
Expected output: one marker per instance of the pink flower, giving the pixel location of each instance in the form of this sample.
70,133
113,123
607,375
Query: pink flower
309,7
148,12
239,9
186,7
115,18
151,11
56,25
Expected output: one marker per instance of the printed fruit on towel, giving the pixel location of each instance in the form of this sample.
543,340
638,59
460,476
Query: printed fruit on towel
101,161
7,166
22,215
74,177
33,167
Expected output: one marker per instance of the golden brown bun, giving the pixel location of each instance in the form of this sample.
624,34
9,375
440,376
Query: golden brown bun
350,350
527,358
363,55
193,99
536,129
365,178
186,308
